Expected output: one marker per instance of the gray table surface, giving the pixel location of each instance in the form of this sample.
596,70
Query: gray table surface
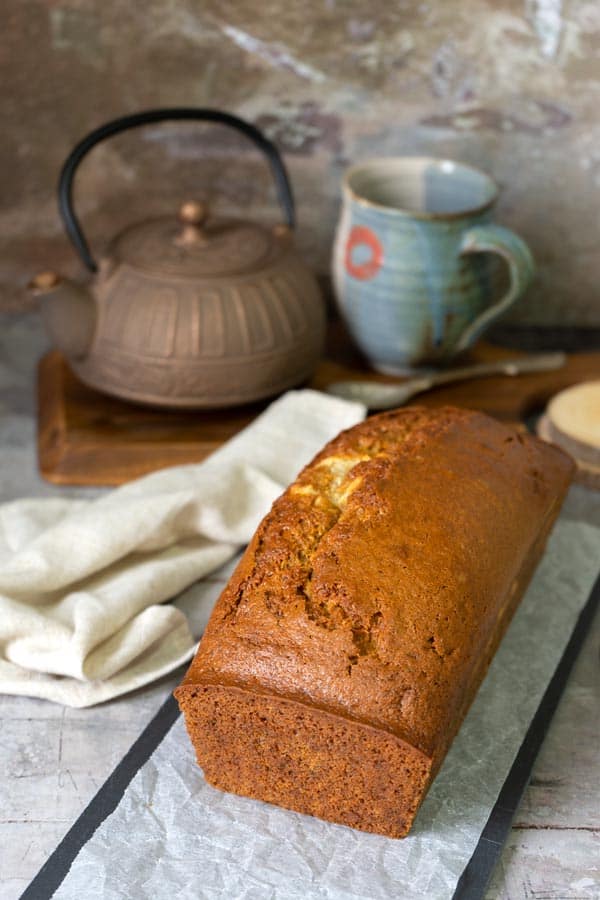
53,760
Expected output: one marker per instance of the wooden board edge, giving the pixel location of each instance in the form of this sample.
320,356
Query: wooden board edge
52,441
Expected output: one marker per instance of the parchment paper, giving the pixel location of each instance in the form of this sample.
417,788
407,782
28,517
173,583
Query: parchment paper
174,836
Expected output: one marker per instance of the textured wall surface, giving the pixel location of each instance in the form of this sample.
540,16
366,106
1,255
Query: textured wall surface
513,87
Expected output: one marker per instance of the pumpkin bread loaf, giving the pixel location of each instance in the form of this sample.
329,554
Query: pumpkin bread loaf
340,660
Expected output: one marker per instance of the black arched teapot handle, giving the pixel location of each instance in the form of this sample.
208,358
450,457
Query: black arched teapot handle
65,184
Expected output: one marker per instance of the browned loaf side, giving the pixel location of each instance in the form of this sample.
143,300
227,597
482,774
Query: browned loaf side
343,655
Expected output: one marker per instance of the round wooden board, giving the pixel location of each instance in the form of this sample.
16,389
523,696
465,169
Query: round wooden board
586,473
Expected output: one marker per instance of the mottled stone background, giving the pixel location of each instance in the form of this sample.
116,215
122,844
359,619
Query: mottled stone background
513,87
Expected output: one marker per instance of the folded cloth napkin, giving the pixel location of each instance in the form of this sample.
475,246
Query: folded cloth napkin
81,580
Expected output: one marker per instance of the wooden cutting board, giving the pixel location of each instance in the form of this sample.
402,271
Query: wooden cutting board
87,438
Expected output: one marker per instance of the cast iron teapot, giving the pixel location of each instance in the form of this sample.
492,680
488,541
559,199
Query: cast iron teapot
192,310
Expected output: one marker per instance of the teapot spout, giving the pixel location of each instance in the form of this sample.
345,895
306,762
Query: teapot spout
68,313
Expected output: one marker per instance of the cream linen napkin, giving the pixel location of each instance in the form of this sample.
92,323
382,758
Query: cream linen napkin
81,580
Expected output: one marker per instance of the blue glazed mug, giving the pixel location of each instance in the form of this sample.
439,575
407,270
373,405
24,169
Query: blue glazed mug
411,260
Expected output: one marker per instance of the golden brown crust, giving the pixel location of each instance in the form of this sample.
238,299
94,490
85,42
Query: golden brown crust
380,583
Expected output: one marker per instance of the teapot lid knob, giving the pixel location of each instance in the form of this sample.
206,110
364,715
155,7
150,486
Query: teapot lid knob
45,281
193,213
282,231
192,216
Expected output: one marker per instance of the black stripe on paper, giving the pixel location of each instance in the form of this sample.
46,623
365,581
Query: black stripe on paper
478,871
55,869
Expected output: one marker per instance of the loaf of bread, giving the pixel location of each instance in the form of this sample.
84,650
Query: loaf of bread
344,653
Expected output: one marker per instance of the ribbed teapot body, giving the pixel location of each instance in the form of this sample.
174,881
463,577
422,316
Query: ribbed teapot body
201,343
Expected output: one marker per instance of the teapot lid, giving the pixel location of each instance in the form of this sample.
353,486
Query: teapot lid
195,246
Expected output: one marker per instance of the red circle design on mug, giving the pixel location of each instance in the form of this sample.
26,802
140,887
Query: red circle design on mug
361,236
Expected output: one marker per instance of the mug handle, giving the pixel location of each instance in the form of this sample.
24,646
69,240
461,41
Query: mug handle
497,239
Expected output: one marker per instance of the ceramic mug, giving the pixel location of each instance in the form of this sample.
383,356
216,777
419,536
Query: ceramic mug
411,260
